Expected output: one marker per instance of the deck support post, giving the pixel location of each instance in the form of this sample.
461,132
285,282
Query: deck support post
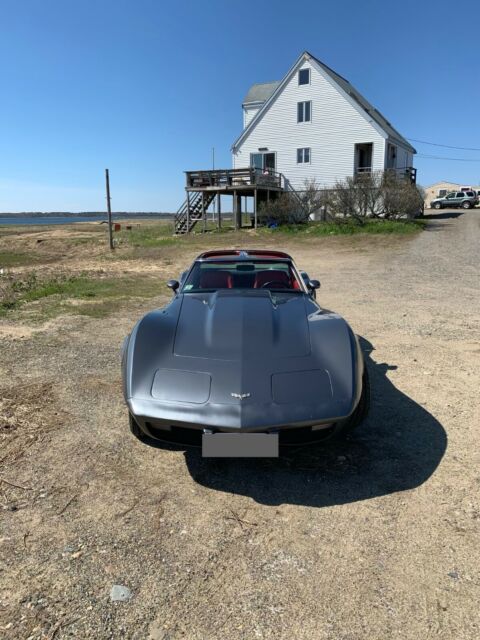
204,213
238,211
219,210
235,209
255,205
188,212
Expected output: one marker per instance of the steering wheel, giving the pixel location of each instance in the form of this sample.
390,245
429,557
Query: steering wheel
278,284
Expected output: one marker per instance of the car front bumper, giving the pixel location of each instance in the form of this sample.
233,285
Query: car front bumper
292,423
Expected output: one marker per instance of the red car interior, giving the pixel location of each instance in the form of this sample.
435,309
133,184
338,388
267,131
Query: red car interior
215,280
272,276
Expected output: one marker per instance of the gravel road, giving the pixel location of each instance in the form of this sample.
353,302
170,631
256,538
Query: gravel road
372,539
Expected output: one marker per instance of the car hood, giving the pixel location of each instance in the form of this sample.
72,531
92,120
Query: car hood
239,325
263,354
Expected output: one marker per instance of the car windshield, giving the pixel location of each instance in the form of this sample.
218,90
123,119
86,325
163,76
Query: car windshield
241,274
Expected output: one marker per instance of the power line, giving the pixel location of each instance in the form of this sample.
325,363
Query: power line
446,146
422,155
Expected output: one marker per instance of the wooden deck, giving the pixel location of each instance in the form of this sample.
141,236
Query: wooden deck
204,187
230,179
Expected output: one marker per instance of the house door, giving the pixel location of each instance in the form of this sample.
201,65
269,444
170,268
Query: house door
263,161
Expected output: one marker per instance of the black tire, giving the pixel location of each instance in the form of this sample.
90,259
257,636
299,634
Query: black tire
362,410
135,429
437,205
466,205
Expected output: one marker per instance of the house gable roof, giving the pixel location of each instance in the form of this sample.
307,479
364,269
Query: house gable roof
362,105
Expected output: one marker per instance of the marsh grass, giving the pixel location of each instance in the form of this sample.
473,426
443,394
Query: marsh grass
154,235
348,227
10,259
85,294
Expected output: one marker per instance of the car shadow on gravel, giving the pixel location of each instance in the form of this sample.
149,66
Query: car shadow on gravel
398,448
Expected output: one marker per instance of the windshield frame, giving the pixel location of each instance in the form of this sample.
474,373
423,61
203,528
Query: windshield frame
234,260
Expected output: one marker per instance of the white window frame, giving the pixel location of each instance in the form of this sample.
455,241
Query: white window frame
303,161
309,77
304,102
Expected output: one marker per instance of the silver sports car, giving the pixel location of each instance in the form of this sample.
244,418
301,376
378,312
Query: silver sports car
243,359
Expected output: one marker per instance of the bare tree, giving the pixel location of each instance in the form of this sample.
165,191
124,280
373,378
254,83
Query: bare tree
377,194
313,200
400,197
284,209
295,207
343,199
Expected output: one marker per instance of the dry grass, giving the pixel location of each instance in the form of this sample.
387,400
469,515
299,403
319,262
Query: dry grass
25,418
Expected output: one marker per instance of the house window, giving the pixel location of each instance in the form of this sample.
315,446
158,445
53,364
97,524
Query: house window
263,161
442,193
304,111
304,76
303,155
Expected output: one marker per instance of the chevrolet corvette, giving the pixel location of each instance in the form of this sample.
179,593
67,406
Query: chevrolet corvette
242,360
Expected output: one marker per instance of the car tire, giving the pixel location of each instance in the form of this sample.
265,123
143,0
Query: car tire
437,205
467,205
361,411
135,429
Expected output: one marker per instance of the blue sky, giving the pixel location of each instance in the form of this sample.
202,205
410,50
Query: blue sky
147,87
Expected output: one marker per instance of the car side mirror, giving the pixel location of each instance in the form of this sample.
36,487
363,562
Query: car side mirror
173,285
313,284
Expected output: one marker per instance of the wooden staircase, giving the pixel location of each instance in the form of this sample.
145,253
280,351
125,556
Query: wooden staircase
185,223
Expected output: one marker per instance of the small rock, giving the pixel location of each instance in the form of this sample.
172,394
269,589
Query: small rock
120,593
453,574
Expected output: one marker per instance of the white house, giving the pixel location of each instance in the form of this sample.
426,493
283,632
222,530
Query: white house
314,124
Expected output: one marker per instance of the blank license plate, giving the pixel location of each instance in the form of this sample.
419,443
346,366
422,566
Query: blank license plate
240,445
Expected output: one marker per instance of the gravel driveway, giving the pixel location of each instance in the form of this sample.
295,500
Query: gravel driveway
372,539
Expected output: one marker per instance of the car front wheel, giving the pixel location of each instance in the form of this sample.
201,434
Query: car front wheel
437,205
135,429
360,413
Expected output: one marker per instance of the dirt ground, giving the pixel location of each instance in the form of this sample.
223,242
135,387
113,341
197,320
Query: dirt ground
373,539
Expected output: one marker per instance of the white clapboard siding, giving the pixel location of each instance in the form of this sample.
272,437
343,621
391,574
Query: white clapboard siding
248,113
402,158
336,126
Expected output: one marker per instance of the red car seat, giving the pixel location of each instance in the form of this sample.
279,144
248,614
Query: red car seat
215,280
274,276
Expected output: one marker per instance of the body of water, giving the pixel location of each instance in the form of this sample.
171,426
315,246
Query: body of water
34,220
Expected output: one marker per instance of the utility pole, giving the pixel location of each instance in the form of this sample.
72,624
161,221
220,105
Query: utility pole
109,209
213,169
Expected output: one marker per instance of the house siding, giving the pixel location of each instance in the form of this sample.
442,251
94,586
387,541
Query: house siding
249,112
404,158
336,126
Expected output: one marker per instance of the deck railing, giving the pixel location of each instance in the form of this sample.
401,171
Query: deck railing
408,173
233,178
